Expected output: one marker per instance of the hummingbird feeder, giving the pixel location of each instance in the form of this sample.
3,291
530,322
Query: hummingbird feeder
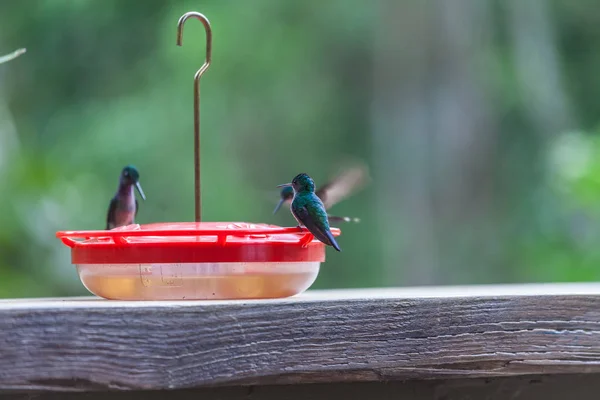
196,260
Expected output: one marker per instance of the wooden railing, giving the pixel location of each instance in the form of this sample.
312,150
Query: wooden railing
503,341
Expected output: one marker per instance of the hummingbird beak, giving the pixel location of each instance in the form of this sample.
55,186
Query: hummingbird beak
285,185
278,205
140,191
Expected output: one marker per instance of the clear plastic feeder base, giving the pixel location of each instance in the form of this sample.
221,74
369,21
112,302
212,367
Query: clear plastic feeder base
198,281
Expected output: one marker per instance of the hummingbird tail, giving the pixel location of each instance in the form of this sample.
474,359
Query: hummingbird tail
332,241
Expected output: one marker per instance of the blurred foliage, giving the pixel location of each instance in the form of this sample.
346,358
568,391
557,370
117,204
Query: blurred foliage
293,88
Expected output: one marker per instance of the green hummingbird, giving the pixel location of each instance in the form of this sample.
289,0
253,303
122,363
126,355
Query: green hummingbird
343,185
309,210
124,206
287,194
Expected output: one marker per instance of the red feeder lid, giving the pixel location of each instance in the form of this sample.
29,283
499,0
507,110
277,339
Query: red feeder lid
194,242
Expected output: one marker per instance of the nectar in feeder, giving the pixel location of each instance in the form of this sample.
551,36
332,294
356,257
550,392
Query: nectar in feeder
196,260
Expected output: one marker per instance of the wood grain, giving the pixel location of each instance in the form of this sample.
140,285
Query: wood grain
333,336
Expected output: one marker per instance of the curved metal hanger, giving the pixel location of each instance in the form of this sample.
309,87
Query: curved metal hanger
203,68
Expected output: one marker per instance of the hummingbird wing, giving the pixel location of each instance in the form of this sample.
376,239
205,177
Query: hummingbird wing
343,185
334,218
110,216
137,207
313,216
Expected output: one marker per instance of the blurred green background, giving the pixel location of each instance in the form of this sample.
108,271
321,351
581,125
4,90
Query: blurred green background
478,120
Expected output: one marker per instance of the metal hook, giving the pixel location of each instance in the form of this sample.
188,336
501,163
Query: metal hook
203,68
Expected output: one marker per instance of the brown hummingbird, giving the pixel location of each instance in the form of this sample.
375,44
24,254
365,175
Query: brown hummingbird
124,206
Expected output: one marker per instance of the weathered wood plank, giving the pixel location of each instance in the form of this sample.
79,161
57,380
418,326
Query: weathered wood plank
333,336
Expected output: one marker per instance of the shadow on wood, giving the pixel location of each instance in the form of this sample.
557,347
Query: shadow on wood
580,387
